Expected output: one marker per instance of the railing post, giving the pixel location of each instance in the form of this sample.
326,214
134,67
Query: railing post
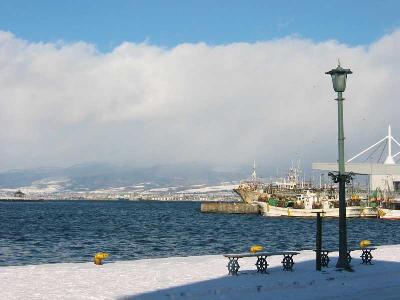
318,242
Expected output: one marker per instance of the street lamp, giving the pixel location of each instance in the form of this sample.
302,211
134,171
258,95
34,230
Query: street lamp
339,76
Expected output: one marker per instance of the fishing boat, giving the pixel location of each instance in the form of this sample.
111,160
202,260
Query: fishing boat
306,205
389,208
293,197
252,190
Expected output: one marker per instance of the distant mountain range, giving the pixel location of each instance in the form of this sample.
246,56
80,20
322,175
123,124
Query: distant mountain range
94,176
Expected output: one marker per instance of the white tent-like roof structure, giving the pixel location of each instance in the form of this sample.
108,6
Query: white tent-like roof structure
389,167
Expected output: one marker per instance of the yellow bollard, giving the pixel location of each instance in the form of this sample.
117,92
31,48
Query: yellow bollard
256,248
98,258
365,243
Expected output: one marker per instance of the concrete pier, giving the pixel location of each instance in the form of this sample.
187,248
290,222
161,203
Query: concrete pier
230,208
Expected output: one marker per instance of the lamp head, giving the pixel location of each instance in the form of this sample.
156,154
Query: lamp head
339,77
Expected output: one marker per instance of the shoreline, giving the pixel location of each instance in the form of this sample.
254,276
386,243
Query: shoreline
116,200
204,277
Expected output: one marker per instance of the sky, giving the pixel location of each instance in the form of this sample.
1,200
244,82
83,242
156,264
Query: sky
217,82
107,24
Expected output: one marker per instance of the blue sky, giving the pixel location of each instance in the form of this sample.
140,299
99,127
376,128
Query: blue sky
168,23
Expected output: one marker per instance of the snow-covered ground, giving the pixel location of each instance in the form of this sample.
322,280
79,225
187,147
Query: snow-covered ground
205,277
209,189
48,185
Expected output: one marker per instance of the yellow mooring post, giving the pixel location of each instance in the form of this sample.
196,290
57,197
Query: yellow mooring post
256,248
98,258
365,243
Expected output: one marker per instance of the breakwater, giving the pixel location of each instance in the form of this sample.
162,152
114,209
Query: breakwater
230,208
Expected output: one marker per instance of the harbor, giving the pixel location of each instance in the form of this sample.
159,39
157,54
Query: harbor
293,196
199,150
37,232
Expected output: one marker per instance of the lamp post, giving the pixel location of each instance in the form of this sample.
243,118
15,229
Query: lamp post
339,76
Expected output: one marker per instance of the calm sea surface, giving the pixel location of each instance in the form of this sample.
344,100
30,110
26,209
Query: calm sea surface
72,231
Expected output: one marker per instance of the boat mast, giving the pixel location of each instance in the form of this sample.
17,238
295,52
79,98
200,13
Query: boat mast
254,174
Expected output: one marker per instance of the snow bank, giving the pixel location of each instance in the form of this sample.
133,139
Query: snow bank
205,277
209,189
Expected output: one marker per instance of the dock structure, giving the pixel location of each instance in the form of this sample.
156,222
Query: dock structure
230,208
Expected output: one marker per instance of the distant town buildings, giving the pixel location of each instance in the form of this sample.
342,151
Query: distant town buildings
123,195
19,194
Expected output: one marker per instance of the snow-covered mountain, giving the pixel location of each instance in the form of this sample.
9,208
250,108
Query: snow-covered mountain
98,176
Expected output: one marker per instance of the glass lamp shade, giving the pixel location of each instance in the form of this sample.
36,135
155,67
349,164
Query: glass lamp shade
339,82
339,77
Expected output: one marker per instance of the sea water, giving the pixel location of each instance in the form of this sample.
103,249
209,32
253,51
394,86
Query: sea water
73,231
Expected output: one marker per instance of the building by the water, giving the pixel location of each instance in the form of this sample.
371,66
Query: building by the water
19,194
383,176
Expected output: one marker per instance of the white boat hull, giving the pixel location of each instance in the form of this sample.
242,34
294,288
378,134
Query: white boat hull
391,214
369,212
274,211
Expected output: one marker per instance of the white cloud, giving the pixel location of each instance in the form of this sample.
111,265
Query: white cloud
67,103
